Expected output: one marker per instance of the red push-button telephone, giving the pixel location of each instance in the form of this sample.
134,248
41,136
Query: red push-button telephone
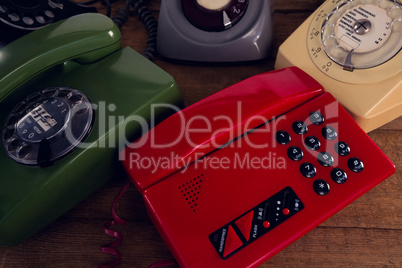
233,179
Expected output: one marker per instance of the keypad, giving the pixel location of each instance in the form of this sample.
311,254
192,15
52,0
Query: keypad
325,159
325,167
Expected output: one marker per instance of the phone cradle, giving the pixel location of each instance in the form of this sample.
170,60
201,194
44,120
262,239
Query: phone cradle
69,98
250,169
189,37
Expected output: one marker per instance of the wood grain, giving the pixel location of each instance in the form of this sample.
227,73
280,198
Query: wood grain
367,233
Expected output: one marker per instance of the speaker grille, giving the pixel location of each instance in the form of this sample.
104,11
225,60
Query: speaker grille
190,191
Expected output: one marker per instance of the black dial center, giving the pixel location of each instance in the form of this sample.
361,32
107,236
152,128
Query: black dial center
214,16
43,120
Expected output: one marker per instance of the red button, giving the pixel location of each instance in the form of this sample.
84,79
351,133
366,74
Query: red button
244,224
266,224
232,243
285,211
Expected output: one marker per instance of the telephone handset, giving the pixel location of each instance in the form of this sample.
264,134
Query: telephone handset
353,48
62,89
90,43
215,31
259,99
55,109
250,169
20,17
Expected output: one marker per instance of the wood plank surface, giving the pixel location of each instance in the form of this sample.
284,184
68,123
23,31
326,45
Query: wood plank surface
367,233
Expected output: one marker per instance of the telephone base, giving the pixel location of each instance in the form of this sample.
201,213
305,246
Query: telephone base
121,86
245,199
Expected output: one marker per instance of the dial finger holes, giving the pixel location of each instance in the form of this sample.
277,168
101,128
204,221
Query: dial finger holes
63,93
40,19
79,107
3,10
24,151
385,4
8,133
34,97
49,14
13,119
75,98
339,53
14,145
49,92
28,20
328,29
330,41
395,13
397,26
47,115
21,107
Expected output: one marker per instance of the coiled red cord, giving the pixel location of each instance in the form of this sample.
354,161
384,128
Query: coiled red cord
111,247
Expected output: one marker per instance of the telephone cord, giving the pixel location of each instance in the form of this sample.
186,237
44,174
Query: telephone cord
151,26
144,14
111,247
107,3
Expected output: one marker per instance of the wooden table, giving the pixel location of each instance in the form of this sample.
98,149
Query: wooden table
367,233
